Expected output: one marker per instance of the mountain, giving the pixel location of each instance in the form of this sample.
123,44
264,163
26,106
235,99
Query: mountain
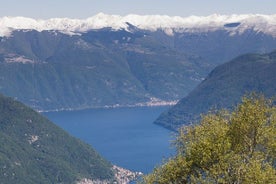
109,60
232,23
51,70
34,150
224,87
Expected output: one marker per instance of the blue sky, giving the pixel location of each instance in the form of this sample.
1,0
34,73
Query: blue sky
45,9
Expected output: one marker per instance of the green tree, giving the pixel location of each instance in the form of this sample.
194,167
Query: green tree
225,147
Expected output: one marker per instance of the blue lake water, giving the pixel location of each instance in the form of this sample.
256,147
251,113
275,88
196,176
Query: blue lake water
125,136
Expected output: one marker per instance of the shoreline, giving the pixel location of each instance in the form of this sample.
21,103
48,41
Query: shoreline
141,104
122,176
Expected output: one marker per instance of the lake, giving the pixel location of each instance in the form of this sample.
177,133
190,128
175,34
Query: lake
125,136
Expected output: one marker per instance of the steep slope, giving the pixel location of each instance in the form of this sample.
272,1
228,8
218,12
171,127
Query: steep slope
34,150
112,60
99,68
224,87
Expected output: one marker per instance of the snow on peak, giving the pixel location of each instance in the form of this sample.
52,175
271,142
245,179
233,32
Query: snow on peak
260,23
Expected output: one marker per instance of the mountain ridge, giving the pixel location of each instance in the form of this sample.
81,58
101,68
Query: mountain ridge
258,22
51,70
223,88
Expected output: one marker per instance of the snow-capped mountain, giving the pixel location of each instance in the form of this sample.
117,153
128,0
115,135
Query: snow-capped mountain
231,23
110,60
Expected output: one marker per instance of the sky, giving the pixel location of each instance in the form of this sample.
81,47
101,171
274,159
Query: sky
81,9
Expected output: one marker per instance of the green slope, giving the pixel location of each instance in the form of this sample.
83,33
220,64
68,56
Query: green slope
96,69
224,87
34,150
50,70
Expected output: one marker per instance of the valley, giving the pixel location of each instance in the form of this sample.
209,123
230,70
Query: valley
66,64
123,85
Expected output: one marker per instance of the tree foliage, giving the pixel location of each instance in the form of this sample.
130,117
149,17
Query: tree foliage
226,147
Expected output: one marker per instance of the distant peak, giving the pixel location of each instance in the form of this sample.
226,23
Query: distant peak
258,22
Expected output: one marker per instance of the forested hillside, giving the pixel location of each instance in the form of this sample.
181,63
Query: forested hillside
34,150
224,87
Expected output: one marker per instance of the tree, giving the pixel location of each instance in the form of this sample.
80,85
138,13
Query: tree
225,147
